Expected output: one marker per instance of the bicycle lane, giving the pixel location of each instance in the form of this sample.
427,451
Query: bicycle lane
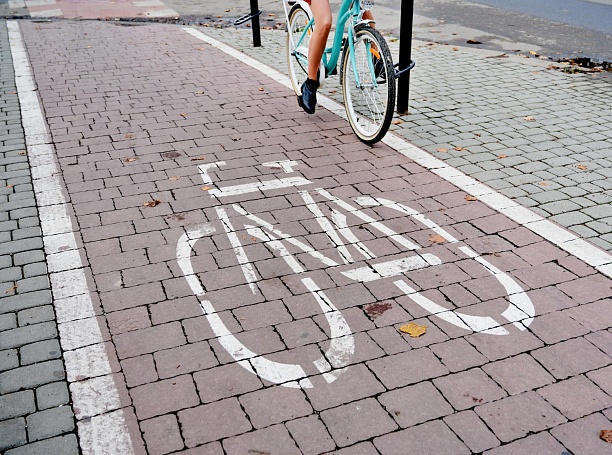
253,266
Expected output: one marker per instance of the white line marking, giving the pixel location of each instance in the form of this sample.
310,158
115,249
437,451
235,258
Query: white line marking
75,311
391,268
16,4
583,250
254,187
286,165
47,13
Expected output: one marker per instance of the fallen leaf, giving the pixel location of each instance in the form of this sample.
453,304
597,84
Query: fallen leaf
533,52
606,435
183,114
572,85
261,89
12,288
129,136
152,203
473,41
235,139
199,93
529,118
544,183
455,48
205,188
441,150
436,238
201,48
477,134
582,167
333,91
129,159
21,153
470,198
414,330
174,177
9,186
199,158
502,156
227,10
459,148
398,122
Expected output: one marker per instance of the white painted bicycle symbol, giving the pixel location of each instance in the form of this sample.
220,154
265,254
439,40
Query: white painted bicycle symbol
350,249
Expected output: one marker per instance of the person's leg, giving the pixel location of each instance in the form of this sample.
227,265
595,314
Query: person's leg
323,22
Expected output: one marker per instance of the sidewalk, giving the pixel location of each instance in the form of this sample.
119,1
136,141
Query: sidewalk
229,275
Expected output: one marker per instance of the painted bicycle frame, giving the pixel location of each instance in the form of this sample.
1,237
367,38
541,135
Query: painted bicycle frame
349,9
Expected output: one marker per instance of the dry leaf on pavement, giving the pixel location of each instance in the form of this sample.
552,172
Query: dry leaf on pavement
21,153
473,41
459,148
129,159
533,52
414,330
174,177
441,150
183,114
544,183
582,167
129,136
11,289
529,118
470,198
436,238
398,122
199,158
606,435
205,188
152,203
261,89
502,156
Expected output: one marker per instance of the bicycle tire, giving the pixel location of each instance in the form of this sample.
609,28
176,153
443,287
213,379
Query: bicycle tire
298,71
370,123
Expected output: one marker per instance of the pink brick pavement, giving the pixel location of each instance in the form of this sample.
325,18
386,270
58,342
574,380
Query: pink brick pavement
134,111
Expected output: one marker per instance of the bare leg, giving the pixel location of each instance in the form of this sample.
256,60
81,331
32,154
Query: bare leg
323,21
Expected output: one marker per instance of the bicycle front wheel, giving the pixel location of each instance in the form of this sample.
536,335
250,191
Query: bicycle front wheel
368,85
297,55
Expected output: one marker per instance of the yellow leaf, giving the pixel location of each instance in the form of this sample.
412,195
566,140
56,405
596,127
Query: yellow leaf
455,48
205,188
502,156
606,435
533,52
414,330
152,203
544,183
436,238
398,122
261,89
470,198
582,167
459,148
183,114
529,118
9,186
130,159
21,153
129,136
441,150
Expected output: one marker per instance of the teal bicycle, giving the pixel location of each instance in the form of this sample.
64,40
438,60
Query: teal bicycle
367,72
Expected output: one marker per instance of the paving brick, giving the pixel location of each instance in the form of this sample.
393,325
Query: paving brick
41,351
392,372
162,435
150,339
31,376
139,370
36,315
9,359
310,435
128,320
541,443
8,321
576,397
518,374
571,357
594,316
17,404
390,340
225,381
499,347
581,437
472,431
554,327
357,421
516,416
184,359
469,388
171,395
274,439
52,395
355,383
602,339
458,354
415,404
62,445
175,309
274,405
22,301
588,289
221,419
49,423
432,437
12,433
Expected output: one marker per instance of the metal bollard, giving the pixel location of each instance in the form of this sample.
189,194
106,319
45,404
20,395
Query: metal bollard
403,84
253,16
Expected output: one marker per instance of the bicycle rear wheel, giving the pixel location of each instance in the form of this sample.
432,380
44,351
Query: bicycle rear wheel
369,96
297,56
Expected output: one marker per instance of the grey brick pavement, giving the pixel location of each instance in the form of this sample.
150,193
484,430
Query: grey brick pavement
538,136
35,412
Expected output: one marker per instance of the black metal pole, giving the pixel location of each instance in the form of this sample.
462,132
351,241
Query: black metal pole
255,24
405,47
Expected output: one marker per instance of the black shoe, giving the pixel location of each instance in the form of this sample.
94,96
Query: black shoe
308,99
379,70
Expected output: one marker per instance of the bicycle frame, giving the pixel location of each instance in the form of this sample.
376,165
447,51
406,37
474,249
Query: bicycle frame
348,9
